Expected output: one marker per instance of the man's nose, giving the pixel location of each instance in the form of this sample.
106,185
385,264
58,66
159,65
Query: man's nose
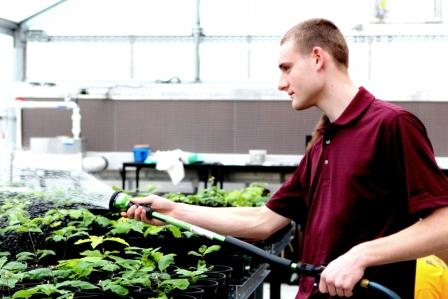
282,84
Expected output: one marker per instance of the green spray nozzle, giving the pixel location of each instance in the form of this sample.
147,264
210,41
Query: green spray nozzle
120,202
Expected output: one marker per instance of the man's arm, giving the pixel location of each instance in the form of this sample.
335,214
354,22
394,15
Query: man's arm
251,223
425,237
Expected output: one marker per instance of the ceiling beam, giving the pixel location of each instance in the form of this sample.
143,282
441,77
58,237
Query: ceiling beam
8,27
26,21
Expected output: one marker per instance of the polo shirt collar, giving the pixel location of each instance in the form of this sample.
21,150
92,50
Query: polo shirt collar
357,106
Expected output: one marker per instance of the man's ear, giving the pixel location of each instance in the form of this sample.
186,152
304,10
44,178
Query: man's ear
318,56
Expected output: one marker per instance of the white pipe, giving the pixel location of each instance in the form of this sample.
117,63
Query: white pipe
76,114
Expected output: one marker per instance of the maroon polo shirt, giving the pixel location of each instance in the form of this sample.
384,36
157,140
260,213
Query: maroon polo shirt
371,173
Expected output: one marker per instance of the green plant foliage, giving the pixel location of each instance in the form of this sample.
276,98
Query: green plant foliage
11,272
115,286
254,195
115,264
67,232
99,240
204,250
49,289
193,274
125,225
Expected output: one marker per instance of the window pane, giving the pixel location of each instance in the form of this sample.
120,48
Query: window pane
391,65
119,17
68,61
224,61
162,61
267,17
264,61
6,58
408,11
359,61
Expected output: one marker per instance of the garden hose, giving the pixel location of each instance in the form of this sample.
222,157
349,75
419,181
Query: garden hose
119,201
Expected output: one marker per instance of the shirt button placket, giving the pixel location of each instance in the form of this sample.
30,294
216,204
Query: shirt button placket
326,161
327,142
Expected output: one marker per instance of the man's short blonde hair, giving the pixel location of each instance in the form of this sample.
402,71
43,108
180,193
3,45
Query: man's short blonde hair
319,33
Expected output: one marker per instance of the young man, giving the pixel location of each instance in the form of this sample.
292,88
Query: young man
369,194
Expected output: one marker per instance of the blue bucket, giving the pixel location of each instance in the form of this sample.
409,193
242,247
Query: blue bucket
141,153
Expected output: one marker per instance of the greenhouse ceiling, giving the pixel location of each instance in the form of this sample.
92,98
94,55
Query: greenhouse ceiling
100,17
179,17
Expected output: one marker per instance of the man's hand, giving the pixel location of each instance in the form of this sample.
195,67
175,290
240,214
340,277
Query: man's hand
341,275
157,203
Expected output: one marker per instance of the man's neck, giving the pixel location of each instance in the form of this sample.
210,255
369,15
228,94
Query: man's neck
336,97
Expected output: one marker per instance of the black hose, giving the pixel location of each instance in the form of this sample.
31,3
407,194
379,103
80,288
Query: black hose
300,268
258,251
365,283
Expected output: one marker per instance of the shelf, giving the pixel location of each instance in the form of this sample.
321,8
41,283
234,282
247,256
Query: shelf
249,286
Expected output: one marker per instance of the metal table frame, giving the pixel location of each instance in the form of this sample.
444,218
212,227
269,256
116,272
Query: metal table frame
252,286
207,170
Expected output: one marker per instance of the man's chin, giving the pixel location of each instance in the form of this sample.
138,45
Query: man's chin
298,106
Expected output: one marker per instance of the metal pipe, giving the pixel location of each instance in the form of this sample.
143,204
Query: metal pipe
197,33
19,105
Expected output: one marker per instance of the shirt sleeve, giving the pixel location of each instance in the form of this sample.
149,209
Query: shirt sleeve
289,199
426,185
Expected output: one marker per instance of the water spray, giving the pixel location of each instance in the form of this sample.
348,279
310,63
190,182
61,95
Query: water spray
120,202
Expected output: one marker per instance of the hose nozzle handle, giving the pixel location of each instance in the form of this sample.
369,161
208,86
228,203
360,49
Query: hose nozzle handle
120,202
307,269
148,210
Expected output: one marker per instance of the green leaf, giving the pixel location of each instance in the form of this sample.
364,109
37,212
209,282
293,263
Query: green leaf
175,231
62,274
118,289
103,221
153,230
166,261
92,253
93,240
178,283
118,240
202,249
9,279
75,213
15,266
111,267
114,287
212,248
45,252
77,283
25,256
39,273
26,293
194,253
46,289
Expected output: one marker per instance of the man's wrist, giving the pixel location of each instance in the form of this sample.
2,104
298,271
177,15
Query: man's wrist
363,256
